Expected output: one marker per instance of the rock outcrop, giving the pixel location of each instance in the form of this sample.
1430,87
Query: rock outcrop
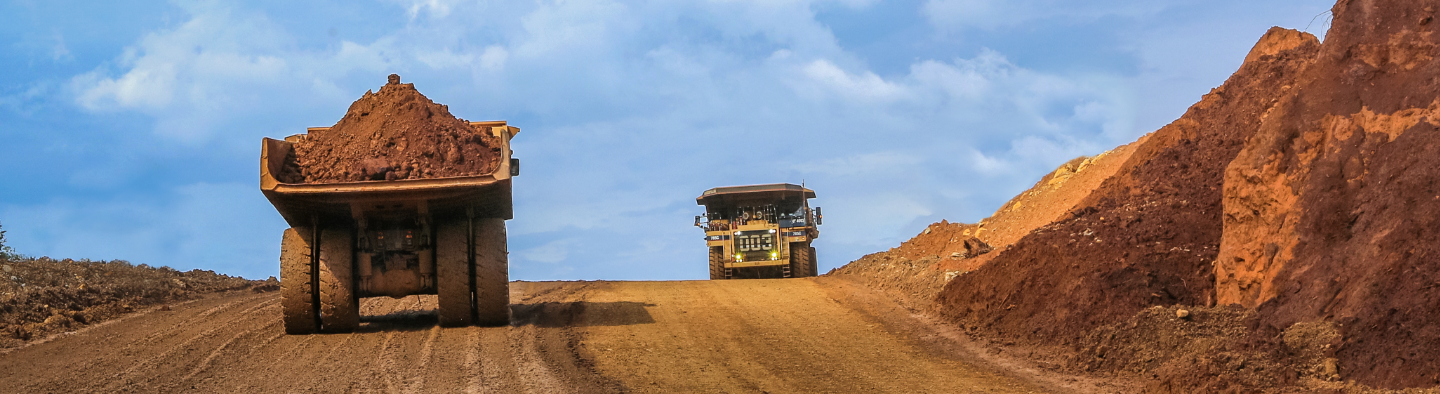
1332,209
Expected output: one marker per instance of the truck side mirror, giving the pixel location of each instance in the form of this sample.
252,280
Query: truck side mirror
697,221
819,218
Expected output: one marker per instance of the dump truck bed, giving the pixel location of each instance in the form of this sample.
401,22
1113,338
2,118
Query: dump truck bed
302,204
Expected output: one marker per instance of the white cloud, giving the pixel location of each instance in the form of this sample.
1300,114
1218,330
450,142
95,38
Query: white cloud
216,68
866,86
952,15
436,8
494,58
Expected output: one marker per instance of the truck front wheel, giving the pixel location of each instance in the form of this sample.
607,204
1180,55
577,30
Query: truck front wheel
801,257
717,263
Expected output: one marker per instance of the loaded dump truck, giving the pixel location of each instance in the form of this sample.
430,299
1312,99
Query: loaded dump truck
760,231
349,240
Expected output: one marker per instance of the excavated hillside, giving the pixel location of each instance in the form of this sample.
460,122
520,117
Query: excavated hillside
396,133
1148,236
1280,233
920,267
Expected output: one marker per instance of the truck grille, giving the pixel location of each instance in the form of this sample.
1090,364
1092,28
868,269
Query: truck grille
759,240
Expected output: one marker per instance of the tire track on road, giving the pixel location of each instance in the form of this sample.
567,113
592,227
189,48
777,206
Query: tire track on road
124,376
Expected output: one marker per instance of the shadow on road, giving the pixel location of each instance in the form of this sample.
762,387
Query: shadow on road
543,314
581,314
411,320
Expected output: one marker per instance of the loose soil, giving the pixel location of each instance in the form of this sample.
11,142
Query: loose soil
785,335
40,297
396,133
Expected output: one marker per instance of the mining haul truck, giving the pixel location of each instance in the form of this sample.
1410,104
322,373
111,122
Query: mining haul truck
760,231
350,240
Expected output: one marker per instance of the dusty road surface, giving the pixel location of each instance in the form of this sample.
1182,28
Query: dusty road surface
791,335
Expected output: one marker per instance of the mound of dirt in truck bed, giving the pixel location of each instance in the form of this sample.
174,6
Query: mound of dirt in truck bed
39,297
396,133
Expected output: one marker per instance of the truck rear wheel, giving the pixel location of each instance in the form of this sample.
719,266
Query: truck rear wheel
800,256
492,275
717,263
296,292
452,272
339,309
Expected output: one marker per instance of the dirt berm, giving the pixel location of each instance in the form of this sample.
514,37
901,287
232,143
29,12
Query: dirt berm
918,268
1278,236
42,296
396,133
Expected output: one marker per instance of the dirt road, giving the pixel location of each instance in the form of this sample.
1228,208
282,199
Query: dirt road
793,335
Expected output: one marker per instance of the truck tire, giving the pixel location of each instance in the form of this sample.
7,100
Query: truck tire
492,273
814,262
297,305
452,272
717,263
800,260
339,309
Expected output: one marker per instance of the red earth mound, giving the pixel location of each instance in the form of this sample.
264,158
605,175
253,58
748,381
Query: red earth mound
1332,210
396,133
1301,196
917,269
39,297
1147,236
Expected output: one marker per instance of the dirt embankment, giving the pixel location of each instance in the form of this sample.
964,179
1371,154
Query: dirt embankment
396,133
39,297
1146,237
918,268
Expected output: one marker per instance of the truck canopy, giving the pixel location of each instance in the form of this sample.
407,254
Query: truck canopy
782,194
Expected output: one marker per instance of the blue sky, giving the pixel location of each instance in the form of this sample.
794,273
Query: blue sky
131,130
